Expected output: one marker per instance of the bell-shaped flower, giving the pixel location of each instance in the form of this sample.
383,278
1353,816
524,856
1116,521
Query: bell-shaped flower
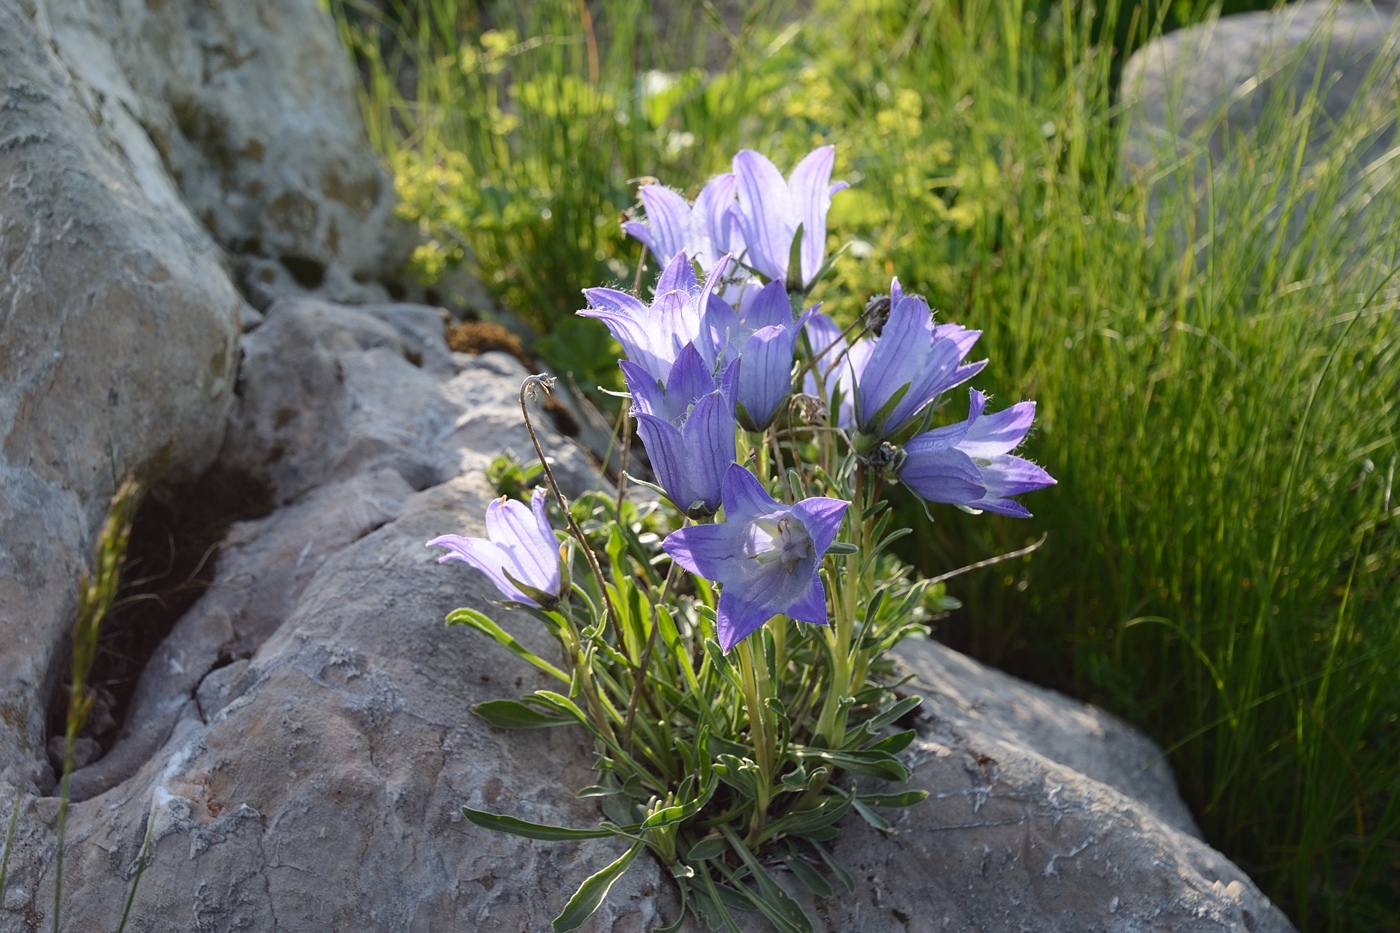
704,230
765,556
839,364
519,555
911,363
970,463
690,379
762,337
653,335
770,211
690,444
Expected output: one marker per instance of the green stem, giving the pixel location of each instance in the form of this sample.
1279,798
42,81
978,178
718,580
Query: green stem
755,690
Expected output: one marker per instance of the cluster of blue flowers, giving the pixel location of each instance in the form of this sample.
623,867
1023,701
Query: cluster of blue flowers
710,357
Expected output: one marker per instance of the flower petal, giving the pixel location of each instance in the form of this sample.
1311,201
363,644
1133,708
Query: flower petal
810,192
669,218
822,519
744,496
942,476
711,551
679,275
709,443
1000,433
485,557
531,558
738,619
811,605
765,373
712,212
764,214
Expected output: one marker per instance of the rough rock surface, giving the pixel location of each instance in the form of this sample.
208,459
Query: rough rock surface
305,738
1191,96
108,299
1043,814
301,743
250,107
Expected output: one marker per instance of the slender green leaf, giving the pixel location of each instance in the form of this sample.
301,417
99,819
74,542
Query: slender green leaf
894,744
708,848
877,764
482,623
843,876
905,799
512,714
804,872
519,827
770,899
589,896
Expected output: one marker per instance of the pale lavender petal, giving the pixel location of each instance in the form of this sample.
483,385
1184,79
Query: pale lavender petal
712,210
647,393
737,619
640,231
898,359
822,518
538,504
679,275
637,339
942,476
811,605
744,496
763,213
769,308
809,188
709,442
665,448
670,220
484,556
711,551
610,299
721,326
532,559
937,440
675,322
765,373
1011,476
1008,507
999,433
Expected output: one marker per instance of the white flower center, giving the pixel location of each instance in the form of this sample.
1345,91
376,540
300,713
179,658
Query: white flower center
781,539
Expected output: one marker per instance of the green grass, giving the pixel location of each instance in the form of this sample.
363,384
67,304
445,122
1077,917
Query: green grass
1223,556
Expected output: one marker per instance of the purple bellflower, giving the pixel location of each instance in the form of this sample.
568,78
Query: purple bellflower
765,556
770,210
970,463
653,335
912,357
520,548
687,428
704,231
840,365
762,337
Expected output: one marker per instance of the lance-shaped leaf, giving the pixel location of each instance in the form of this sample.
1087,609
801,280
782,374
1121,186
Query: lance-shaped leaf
589,896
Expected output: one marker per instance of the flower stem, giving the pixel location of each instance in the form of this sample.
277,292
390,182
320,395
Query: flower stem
753,673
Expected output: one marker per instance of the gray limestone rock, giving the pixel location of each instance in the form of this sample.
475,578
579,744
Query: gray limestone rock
250,108
304,739
1194,100
118,350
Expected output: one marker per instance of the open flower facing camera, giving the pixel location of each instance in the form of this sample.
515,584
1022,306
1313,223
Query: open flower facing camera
724,645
